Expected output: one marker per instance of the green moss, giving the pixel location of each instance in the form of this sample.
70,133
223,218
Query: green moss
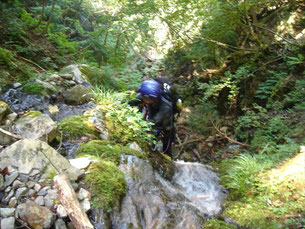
106,150
250,214
217,224
4,110
33,88
32,113
77,126
107,184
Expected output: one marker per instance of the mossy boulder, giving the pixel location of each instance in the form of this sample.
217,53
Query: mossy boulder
78,95
107,150
77,126
107,184
35,88
4,110
162,163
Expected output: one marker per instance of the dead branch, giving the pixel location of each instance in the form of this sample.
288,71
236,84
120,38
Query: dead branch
10,134
230,139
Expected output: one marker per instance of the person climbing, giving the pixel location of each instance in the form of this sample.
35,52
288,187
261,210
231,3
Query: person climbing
159,104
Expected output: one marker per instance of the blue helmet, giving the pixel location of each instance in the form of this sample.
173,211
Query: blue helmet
150,89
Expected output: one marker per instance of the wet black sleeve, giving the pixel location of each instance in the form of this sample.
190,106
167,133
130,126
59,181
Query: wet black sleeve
162,117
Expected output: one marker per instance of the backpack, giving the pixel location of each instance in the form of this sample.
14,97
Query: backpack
170,94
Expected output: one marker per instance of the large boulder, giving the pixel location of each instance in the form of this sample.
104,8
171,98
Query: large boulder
34,156
75,73
78,94
35,125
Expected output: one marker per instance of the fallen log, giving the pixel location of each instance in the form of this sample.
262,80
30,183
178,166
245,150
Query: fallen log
67,198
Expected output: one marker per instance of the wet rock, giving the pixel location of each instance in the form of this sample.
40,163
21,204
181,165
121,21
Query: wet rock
60,224
35,125
35,215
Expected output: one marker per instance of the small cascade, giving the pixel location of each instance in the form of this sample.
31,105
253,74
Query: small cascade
193,196
200,185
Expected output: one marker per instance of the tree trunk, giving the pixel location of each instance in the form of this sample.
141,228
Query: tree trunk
69,201
50,17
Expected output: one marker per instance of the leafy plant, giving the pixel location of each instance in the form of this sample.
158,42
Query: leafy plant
124,122
239,174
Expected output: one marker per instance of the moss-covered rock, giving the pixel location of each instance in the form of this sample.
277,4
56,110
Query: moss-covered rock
217,224
162,163
76,126
107,184
4,110
33,88
107,150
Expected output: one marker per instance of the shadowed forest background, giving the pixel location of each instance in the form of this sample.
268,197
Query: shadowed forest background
239,67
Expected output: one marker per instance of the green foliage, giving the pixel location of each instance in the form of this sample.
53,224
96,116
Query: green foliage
230,81
124,122
107,184
33,88
239,174
6,57
296,98
273,133
63,43
267,88
77,126
202,116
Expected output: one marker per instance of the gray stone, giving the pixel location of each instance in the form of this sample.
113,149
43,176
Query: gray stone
37,187
7,212
30,184
13,202
21,192
9,179
36,126
18,184
61,211
49,199
75,72
85,204
8,223
31,193
29,154
39,200
36,216
60,224
9,196
43,191
83,194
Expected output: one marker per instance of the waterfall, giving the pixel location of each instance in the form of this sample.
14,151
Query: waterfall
191,197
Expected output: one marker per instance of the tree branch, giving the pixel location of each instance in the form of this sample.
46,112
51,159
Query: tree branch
230,139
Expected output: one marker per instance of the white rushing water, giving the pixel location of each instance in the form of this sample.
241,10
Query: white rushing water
200,185
191,197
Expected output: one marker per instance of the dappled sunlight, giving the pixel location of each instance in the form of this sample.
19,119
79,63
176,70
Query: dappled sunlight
292,170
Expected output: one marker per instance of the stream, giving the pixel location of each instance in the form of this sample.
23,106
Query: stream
190,198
